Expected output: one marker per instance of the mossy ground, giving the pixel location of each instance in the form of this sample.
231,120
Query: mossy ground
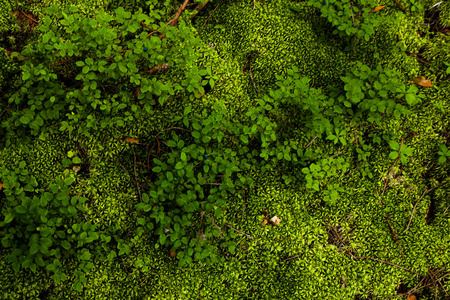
303,257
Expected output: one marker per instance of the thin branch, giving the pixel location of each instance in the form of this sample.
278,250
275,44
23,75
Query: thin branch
338,153
239,231
6,108
311,142
395,235
352,171
143,281
199,7
400,6
172,128
410,219
389,263
208,18
387,177
244,207
173,22
291,257
348,251
135,176
158,68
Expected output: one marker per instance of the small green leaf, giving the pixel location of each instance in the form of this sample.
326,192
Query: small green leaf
86,255
393,155
122,68
162,238
76,160
179,165
68,181
410,98
24,120
26,75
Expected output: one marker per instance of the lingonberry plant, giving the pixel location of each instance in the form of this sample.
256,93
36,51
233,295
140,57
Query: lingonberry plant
46,228
372,94
352,18
101,71
191,179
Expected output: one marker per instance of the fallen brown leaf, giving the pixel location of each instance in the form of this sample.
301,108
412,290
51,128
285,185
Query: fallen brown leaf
265,213
131,140
378,8
412,297
172,253
275,221
422,81
264,222
1,185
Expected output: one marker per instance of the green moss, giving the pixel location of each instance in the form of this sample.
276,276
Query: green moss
307,255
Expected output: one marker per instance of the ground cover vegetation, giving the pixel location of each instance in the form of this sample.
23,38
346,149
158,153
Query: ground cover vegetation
224,149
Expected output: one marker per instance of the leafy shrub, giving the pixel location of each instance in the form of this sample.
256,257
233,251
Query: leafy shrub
352,18
320,174
191,179
44,228
295,91
443,154
371,93
92,70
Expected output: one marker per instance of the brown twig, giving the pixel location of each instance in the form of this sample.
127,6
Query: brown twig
352,171
142,23
395,234
66,60
400,6
410,219
124,264
311,142
158,68
418,58
338,153
199,7
143,281
127,172
387,177
208,18
239,231
173,22
251,75
348,251
135,175
18,7
389,263
290,258
244,207
172,128
6,108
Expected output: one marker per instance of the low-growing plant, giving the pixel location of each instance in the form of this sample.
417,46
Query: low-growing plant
320,175
400,150
101,71
444,154
191,179
43,229
351,18
373,94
